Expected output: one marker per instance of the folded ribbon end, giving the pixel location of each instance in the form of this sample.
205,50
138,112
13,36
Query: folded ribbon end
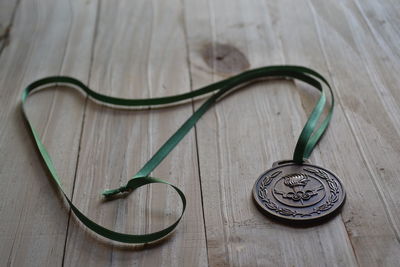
111,192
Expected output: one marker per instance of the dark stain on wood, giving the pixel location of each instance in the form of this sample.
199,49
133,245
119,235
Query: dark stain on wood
224,59
5,38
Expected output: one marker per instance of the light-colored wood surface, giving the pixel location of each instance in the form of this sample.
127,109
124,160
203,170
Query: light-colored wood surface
157,48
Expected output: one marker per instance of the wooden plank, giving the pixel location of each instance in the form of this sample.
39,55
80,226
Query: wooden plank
244,134
42,41
364,67
377,32
139,52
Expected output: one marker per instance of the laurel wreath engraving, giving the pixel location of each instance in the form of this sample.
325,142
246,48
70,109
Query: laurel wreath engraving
329,203
333,189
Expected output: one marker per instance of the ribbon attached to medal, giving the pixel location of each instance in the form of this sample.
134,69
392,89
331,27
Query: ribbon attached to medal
292,190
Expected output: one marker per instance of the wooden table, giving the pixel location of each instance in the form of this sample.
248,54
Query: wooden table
156,48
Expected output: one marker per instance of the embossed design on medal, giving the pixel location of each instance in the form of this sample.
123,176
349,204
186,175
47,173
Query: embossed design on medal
299,192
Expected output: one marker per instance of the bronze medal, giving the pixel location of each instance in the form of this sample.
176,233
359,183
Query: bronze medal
298,192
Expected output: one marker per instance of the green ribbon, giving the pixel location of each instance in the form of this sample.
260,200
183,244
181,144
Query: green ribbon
309,137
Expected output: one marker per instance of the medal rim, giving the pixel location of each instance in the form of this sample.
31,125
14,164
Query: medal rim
283,218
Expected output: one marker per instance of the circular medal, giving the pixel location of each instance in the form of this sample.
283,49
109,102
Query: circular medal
298,192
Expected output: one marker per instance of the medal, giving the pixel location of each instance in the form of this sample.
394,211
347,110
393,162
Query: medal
298,192
292,190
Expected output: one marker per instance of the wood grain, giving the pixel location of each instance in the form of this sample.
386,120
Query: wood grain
34,220
129,61
156,48
377,225
241,138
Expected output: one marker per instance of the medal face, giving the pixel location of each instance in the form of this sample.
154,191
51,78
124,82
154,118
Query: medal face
298,192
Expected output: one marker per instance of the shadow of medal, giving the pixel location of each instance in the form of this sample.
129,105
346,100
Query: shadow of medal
293,192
